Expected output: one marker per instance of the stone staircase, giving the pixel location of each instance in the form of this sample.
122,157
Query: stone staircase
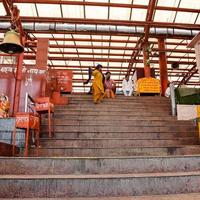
127,148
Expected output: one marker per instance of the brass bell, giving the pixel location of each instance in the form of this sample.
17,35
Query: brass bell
11,43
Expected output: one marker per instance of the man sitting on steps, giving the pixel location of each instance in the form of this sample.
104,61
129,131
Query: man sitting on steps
127,86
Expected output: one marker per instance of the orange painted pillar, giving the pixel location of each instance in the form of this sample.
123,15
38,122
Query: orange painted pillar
163,65
147,70
18,84
42,53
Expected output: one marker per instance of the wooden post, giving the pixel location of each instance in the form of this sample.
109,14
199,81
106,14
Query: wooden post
163,65
147,70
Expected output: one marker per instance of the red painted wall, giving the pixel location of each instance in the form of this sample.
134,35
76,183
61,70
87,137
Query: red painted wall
62,79
36,89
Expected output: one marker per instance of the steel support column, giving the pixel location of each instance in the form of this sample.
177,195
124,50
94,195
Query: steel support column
147,70
163,65
18,84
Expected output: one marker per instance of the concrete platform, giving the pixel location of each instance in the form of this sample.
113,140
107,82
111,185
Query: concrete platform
97,165
106,185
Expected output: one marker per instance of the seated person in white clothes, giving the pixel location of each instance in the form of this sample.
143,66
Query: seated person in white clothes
167,91
127,86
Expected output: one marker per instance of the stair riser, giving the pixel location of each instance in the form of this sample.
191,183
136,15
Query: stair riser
124,104
111,113
65,166
113,117
161,135
122,100
117,122
119,97
98,187
111,128
114,143
110,107
137,151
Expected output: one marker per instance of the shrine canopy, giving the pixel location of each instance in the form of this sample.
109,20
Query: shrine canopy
84,33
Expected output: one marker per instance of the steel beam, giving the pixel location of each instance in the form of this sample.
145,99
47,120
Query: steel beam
107,22
146,60
118,48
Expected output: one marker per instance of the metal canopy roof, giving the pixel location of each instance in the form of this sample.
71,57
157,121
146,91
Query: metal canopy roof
83,33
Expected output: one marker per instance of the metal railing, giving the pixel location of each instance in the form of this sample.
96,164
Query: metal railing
173,99
29,103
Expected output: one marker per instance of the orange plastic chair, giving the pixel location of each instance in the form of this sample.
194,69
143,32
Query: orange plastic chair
28,121
43,106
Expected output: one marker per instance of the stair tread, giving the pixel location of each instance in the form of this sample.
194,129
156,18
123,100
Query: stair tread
188,196
103,176
52,139
102,157
167,146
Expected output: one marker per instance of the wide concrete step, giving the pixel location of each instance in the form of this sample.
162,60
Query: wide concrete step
114,143
188,196
115,103
97,165
124,151
119,96
112,113
77,122
133,135
112,117
119,128
122,104
115,110
98,185
112,106
123,99
191,196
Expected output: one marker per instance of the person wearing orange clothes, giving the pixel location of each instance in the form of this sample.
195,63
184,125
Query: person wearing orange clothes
97,84
110,86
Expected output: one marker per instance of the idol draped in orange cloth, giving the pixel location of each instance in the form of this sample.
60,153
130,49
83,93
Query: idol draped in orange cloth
4,106
97,84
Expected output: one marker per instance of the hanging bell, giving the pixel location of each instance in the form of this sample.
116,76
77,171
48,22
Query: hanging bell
11,43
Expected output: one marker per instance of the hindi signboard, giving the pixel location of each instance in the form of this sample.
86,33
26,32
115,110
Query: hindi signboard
148,85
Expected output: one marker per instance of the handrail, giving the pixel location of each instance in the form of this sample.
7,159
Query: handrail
173,99
29,101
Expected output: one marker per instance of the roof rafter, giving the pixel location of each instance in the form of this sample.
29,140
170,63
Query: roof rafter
104,4
7,5
188,75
